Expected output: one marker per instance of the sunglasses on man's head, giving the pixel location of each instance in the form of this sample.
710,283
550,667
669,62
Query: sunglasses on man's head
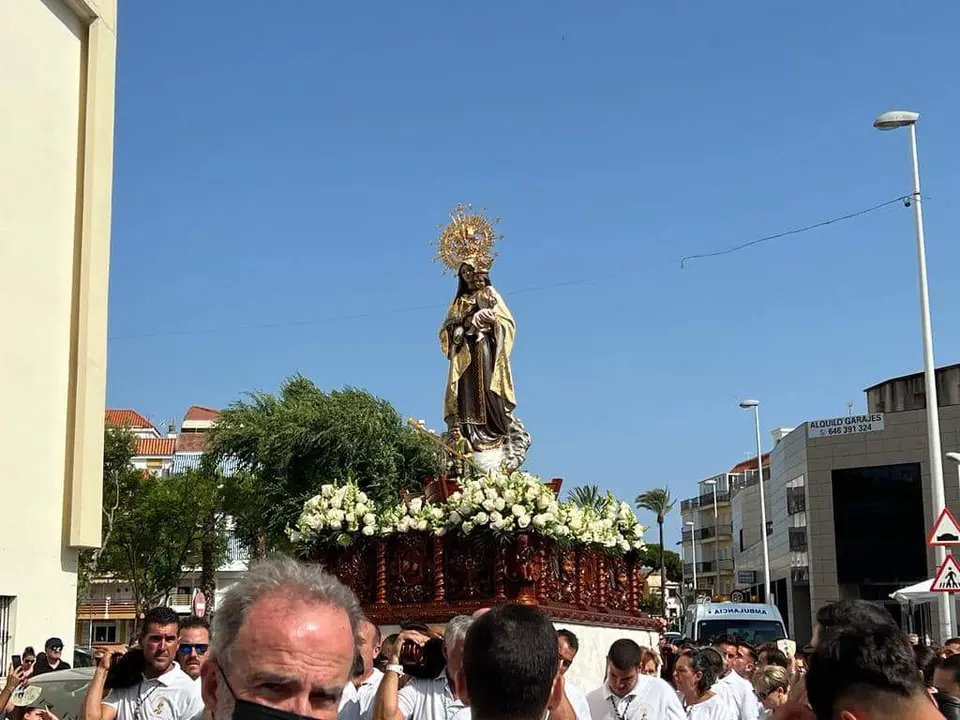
56,648
198,648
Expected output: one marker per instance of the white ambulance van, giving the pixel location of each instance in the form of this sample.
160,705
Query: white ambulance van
757,623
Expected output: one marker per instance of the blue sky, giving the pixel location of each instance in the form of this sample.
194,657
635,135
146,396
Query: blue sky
286,164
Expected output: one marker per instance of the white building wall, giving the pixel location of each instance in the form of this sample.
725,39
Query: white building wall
56,137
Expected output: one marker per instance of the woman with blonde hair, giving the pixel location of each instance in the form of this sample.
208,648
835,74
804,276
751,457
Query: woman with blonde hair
772,685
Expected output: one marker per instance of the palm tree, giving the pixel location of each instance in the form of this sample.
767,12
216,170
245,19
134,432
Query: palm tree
658,501
586,496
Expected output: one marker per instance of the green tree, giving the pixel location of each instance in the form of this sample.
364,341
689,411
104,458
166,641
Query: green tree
159,534
658,501
586,496
671,559
285,446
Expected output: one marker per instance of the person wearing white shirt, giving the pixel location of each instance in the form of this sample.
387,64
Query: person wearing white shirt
733,688
424,698
694,675
628,695
567,648
349,707
368,682
164,691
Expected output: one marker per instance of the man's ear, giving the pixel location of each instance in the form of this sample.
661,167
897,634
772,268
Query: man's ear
460,681
210,684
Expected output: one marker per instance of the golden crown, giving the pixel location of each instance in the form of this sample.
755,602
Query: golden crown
468,238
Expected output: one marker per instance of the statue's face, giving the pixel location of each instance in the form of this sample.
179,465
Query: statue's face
471,276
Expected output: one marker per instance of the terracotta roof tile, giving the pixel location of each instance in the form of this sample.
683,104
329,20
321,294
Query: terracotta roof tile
127,419
750,464
156,447
199,412
189,442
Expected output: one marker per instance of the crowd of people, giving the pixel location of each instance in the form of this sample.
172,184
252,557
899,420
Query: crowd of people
289,642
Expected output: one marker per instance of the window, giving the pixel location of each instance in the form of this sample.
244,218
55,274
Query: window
769,527
741,540
104,633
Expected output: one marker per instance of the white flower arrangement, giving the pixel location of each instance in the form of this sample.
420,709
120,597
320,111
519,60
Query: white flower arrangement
503,504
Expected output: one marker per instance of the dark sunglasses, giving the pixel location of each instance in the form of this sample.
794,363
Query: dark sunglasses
56,648
198,648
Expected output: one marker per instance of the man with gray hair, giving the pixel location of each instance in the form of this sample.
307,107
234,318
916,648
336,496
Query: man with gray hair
283,644
424,699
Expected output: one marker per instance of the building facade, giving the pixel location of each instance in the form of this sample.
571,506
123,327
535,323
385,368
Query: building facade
56,167
708,531
849,505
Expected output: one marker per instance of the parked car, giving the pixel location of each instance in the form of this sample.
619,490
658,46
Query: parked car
63,690
83,657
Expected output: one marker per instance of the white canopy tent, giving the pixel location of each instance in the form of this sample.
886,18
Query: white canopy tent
916,593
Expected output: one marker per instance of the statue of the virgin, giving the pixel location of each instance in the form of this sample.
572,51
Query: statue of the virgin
477,338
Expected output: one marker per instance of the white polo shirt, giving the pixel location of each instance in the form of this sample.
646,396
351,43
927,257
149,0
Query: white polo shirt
650,699
428,699
349,708
740,695
716,708
172,696
367,694
577,699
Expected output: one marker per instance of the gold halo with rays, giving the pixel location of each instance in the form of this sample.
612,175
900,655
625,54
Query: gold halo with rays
469,237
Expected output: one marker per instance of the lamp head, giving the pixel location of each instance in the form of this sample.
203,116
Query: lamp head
690,523
709,482
955,456
896,119
749,404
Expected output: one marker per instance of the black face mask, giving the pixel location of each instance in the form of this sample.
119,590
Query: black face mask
247,710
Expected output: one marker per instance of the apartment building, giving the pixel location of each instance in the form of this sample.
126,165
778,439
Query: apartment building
708,531
849,506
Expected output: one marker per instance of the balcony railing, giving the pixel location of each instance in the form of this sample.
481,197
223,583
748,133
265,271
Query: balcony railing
796,501
703,501
709,532
710,566
798,539
102,610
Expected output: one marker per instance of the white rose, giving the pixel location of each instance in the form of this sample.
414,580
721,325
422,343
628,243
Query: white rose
518,510
368,530
489,505
454,518
523,521
369,519
416,505
495,517
422,525
326,491
467,527
510,497
481,518
624,546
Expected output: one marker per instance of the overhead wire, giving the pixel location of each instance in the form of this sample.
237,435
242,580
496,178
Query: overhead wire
520,291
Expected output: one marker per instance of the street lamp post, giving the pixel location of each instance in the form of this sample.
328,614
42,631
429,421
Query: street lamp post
693,545
891,121
767,597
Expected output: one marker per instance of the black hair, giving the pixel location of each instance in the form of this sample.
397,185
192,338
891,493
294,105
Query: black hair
750,649
28,651
866,665
161,616
509,663
726,639
927,661
463,288
859,613
193,622
624,655
951,664
570,638
708,663
775,656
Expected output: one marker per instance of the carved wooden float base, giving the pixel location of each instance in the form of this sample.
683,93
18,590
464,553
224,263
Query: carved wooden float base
420,577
